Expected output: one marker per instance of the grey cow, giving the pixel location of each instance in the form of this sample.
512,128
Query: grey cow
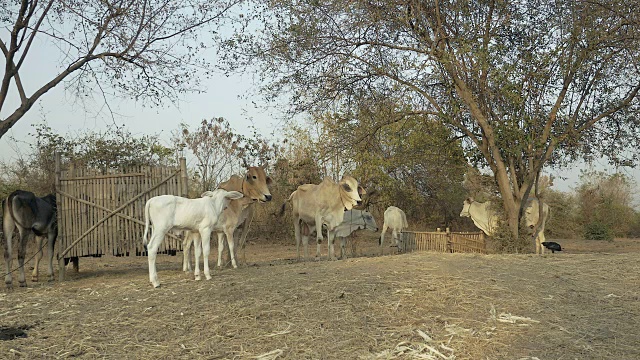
31,215
353,220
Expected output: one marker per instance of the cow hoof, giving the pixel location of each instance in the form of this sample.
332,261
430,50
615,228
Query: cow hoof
9,286
156,284
23,284
333,258
198,278
34,278
208,277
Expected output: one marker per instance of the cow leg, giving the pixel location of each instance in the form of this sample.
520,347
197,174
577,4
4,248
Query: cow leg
330,238
22,252
9,226
394,235
37,258
319,236
50,246
157,237
245,228
220,248
187,242
205,237
296,230
231,244
540,239
384,230
197,249
343,246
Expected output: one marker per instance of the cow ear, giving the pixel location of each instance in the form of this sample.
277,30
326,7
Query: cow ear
269,181
233,195
346,187
207,193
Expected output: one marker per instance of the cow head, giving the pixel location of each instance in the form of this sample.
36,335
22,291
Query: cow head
369,221
465,207
256,184
220,198
350,192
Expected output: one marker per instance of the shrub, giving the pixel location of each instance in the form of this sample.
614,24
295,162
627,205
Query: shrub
598,231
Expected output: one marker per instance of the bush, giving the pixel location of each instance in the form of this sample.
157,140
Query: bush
598,231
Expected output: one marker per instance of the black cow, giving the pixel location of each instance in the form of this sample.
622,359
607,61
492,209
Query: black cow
31,215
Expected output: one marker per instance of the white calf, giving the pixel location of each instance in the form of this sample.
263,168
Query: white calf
395,219
167,212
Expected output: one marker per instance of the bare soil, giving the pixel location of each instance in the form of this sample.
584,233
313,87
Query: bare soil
583,303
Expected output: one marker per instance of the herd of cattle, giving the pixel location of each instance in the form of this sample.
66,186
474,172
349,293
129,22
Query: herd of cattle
230,207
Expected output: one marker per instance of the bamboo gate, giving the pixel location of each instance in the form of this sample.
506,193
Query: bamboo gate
451,242
103,213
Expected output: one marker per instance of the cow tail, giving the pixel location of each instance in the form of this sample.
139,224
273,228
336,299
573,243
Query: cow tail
146,224
284,204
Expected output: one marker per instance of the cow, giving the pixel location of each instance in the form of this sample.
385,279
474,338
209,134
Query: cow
315,205
396,220
255,186
353,220
168,212
483,216
31,215
486,219
224,227
531,217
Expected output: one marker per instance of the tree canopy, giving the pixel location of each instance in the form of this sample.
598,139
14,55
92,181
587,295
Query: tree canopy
524,83
143,49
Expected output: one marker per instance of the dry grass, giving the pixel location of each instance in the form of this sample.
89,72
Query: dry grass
582,304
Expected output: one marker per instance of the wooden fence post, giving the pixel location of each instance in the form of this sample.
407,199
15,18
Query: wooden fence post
184,177
58,171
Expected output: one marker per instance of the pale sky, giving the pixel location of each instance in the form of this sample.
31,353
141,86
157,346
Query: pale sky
228,97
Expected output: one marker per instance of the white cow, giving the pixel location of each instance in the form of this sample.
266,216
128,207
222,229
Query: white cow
322,204
483,216
395,219
167,212
486,219
353,220
255,187
224,227
531,217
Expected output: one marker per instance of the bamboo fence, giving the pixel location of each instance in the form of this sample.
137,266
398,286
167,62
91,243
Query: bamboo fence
469,242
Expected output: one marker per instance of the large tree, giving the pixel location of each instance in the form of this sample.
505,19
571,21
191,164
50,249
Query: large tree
143,49
526,83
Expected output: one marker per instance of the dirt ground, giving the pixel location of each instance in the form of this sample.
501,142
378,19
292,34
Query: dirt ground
583,303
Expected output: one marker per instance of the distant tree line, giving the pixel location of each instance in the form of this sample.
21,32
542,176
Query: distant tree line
416,165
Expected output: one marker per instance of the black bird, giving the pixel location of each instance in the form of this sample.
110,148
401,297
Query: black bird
553,246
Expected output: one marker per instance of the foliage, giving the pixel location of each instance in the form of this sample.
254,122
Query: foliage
149,50
526,83
563,221
605,203
598,231
113,148
220,152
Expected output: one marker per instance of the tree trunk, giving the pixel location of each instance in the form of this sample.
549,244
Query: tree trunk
509,201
